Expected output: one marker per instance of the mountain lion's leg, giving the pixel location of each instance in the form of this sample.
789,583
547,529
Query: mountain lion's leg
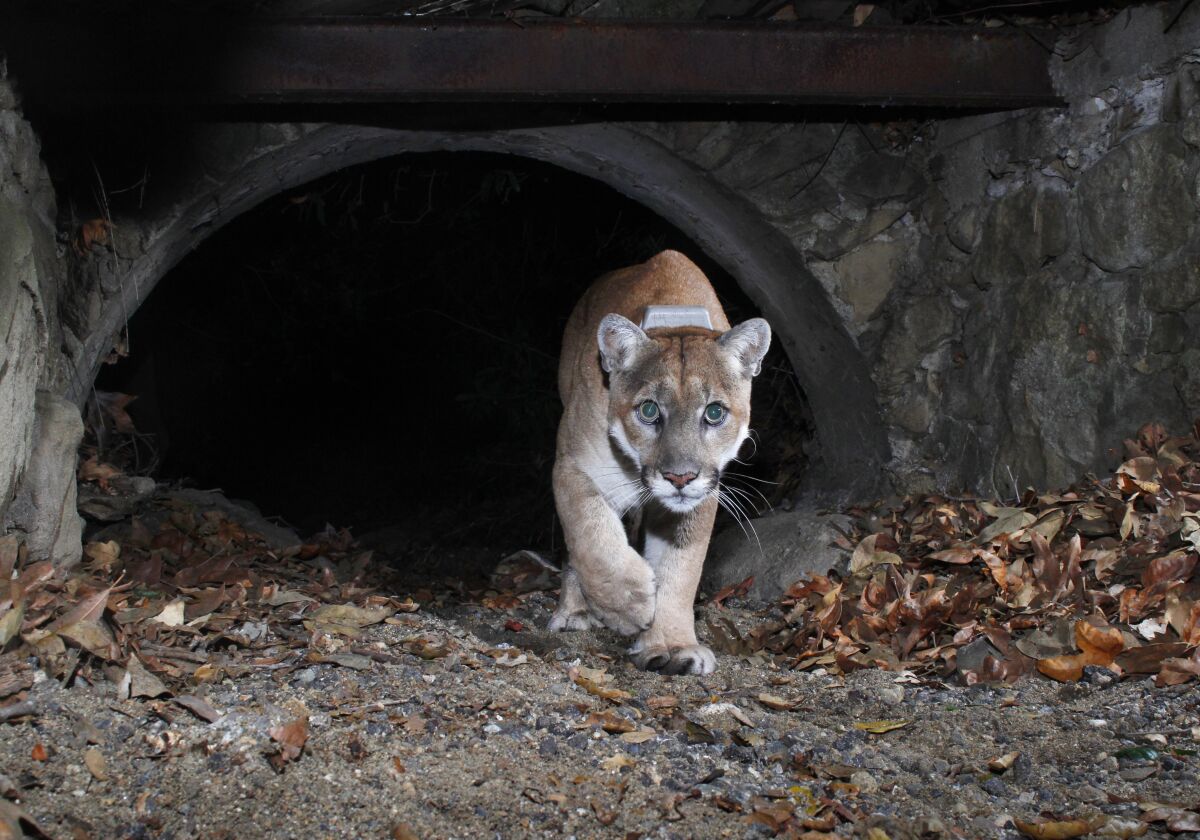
675,550
572,612
615,581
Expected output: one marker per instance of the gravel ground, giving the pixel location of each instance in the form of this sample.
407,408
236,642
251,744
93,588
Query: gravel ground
482,732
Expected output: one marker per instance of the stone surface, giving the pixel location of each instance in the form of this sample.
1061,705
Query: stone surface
1024,229
29,274
45,509
789,545
1173,288
1137,203
22,347
867,275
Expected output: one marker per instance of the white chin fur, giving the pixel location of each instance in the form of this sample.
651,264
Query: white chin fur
679,504
670,498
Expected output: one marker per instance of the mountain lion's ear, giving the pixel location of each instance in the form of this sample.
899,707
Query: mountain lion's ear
619,340
748,342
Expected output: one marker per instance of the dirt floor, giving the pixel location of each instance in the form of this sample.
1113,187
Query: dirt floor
470,721
975,670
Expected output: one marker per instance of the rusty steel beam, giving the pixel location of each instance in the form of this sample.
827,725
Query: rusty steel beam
373,60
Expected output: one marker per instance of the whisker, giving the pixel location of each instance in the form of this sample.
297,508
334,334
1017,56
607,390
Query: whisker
724,504
747,477
745,492
747,498
734,504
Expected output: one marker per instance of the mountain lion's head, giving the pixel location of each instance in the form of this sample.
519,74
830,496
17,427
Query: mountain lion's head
679,401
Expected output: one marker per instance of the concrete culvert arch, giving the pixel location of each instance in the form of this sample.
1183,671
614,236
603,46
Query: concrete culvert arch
378,349
235,168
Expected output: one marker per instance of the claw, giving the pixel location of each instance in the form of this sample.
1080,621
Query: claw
657,662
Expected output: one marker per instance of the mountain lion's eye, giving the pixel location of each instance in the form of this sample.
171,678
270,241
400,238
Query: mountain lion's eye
714,414
647,412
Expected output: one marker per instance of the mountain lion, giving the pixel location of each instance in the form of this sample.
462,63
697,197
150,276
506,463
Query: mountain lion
644,447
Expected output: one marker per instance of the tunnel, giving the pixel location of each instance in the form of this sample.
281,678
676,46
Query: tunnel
376,350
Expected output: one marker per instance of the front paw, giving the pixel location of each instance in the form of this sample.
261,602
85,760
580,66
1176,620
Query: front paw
691,659
563,621
625,604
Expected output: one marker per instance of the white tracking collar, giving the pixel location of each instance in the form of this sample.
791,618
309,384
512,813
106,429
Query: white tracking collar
676,316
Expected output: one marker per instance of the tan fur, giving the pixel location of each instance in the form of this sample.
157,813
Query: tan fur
610,463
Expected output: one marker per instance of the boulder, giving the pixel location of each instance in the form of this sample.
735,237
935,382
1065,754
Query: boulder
1022,230
1136,203
46,508
790,545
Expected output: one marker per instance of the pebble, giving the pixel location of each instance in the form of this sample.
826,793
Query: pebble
995,786
864,781
548,747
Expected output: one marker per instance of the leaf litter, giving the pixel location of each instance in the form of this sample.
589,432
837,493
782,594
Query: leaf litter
1101,576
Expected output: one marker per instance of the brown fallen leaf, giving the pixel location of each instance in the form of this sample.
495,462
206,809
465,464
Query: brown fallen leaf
39,752
1123,827
866,556
90,233
613,695
93,759
345,619
616,761
199,707
638,736
1004,762
138,682
291,738
779,704
878,727
733,590
609,722
1177,819
1148,659
10,622
1055,829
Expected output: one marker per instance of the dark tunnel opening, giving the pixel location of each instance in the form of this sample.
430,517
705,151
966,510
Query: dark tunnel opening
378,349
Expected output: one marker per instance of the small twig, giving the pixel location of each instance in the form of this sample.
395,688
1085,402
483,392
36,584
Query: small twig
821,166
16,710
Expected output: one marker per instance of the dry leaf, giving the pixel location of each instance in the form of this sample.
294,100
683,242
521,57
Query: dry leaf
345,619
94,760
10,622
1123,827
1055,829
172,613
779,704
878,727
638,736
139,682
1004,762
615,762
866,556
291,738
199,707
591,686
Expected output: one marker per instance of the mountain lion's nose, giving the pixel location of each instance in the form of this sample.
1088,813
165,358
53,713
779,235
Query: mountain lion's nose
680,480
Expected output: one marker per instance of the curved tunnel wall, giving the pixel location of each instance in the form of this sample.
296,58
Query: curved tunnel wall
250,164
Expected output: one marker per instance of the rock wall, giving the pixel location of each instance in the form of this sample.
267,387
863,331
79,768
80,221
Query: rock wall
39,431
1024,286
